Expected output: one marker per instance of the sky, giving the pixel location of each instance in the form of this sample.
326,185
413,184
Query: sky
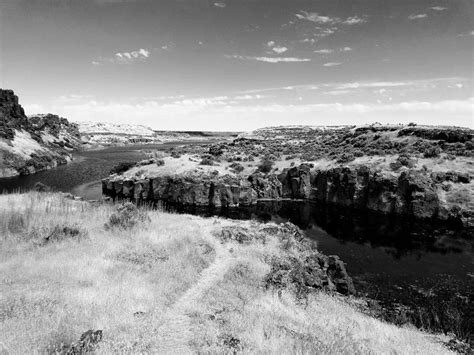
241,64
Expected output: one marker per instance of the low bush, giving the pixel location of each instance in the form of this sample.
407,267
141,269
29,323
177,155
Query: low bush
266,166
403,160
122,167
40,187
238,168
432,152
63,232
345,158
207,161
127,216
216,150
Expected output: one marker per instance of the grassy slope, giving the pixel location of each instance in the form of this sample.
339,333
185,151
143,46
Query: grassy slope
197,292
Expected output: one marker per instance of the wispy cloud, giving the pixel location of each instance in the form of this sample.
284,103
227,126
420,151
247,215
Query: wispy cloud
276,48
421,84
316,18
328,20
355,20
124,57
345,49
323,51
468,34
331,64
272,60
220,4
438,8
417,16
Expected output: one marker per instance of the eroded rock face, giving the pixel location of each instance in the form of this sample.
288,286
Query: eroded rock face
306,270
12,114
409,192
45,141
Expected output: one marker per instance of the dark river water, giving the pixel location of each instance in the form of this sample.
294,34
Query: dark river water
389,258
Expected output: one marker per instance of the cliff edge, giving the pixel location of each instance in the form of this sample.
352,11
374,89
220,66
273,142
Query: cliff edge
32,144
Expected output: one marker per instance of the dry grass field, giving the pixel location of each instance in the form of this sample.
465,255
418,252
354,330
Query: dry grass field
168,284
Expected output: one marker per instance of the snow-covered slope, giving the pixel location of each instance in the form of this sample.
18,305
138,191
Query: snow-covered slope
114,128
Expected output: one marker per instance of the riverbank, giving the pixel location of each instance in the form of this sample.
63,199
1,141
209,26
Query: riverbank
437,189
175,282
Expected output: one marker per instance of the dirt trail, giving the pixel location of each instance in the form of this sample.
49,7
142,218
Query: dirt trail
176,331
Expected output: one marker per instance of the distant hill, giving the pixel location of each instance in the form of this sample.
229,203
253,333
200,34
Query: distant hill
103,134
31,144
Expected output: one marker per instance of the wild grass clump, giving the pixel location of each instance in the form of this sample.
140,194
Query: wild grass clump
64,232
16,223
176,286
127,216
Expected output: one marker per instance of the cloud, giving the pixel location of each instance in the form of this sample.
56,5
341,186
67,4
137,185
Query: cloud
323,51
215,114
279,50
270,59
316,18
417,16
420,84
327,20
275,48
345,49
355,20
141,54
220,4
438,8
466,34
331,64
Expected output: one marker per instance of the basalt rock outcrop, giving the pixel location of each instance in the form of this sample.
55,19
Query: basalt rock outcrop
28,145
409,192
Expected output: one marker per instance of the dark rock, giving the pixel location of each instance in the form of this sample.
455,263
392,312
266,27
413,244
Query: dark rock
337,273
307,270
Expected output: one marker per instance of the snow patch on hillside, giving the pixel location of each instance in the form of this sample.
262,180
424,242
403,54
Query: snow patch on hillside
114,128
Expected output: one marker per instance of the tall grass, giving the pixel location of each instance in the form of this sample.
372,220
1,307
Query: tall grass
161,287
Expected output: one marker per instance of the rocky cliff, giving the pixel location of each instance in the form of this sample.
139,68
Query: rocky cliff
28,145
407,192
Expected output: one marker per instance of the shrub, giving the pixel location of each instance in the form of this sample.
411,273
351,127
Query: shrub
215,150
40,187
238,168
127,216
121,167
402,160
345,158
432,152
206,161
63,232
266,166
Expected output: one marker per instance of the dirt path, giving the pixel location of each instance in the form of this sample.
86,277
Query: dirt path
176,331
